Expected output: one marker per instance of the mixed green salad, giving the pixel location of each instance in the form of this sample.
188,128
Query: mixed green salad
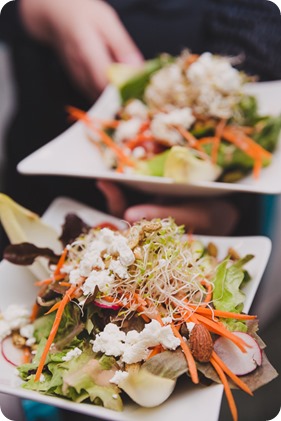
187,118
127,312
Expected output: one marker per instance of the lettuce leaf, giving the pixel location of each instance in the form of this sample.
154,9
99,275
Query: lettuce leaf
227,295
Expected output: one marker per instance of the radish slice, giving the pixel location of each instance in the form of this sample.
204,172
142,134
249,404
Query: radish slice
10,353
240,363
104,304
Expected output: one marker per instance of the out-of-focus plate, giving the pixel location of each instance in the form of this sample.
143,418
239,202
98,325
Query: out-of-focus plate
72,154
17,287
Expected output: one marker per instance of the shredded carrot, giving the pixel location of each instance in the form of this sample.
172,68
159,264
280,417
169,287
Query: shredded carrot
60,262
193,142
83,116
188,355
34,312
54,307
156,350
139,139
44,282
50,280
216,144
26,355
62,304
220,313
219,328
227,389
233,376
245,143
65,284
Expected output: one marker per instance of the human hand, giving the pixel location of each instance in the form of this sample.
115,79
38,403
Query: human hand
87,34
208,216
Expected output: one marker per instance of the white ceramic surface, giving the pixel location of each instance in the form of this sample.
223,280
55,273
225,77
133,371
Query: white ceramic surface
17,286
72,154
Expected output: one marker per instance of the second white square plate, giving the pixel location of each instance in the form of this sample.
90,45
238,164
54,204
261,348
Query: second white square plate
72,154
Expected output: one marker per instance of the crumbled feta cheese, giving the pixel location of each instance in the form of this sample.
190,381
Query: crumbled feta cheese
116,243
30,341
72,354
134,346
119,376
161,125
139,152
101,279
74,276
136,108
119,269
27,331
167,320
16,316
91,259
110,341
219,85
127,129
42,378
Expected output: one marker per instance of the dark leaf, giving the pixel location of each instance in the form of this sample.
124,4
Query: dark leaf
25,253
72,228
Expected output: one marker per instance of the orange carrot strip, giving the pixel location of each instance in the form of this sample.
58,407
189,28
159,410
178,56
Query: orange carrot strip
50,280
60,262
245,143
65,284
26,355
221,313
193,142
139,139
63,303
233,376
206,140
34,312
156,350
54,307
221,330
228,393
188,355
82,115
216,144
257,168
44,282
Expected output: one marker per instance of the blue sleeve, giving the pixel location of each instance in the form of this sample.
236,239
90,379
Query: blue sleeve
36,411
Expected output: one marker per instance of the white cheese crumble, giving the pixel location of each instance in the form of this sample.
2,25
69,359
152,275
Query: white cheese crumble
72,354
162,124
127,129
119,376
27,332
219,85
136,108
16,316
134,346
100,279
92,265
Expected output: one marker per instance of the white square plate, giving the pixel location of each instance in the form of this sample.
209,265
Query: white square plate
187,401
72,154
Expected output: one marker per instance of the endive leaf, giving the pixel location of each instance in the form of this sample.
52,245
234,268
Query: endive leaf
22,225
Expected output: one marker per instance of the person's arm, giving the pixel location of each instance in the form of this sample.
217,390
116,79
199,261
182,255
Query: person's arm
87,35
248,27
209,216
